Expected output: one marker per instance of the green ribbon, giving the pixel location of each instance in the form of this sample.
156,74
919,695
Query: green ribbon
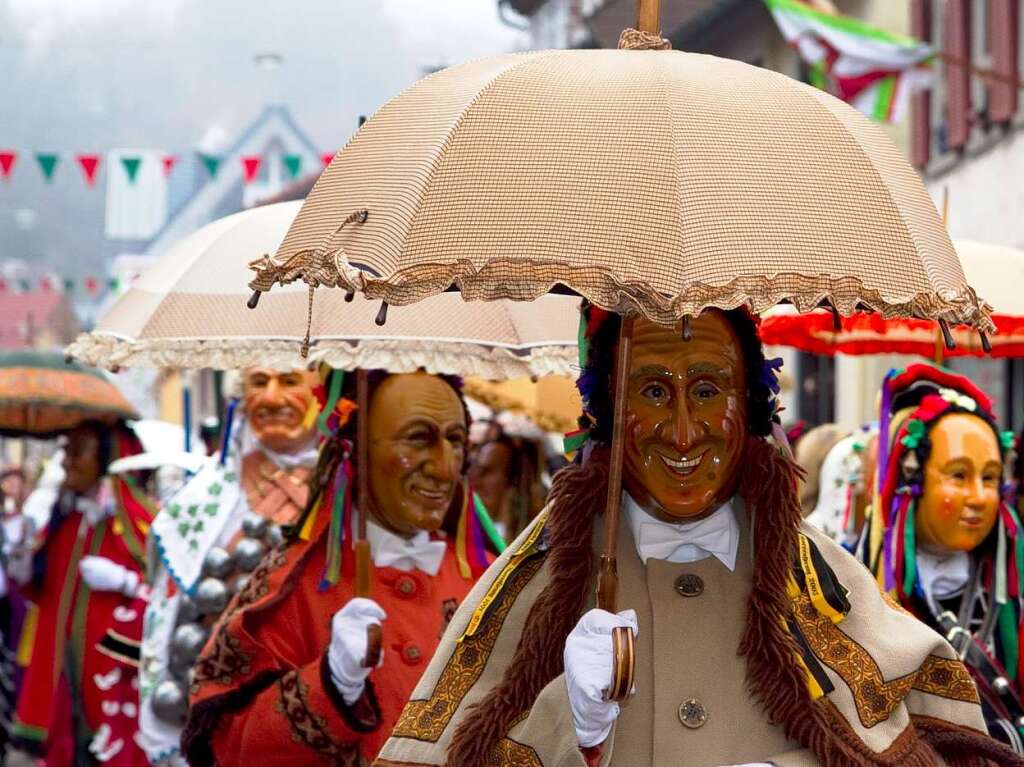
488,524
336,378
909,551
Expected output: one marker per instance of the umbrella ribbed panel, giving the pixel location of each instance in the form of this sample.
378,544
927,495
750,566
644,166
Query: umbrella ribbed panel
656,180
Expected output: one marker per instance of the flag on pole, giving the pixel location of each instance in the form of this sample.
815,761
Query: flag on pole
872,69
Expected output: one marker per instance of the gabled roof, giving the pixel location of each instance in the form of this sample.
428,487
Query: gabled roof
23,315
275,123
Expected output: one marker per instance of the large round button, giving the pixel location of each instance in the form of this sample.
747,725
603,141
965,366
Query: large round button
405,586
689,585
412,655
693,714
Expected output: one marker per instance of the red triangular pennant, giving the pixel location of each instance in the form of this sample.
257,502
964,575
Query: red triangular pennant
89,163
169,161
7,160
327,157
251,167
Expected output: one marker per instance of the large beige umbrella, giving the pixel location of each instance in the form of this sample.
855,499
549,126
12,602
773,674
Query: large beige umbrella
189,311
648,181
995,271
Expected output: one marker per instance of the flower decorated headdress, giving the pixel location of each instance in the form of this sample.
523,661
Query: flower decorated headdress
913,400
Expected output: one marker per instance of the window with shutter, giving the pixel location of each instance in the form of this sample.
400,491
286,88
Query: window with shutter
1003,43
957,72
921,106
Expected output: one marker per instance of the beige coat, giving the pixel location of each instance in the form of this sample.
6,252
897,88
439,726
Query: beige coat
883,665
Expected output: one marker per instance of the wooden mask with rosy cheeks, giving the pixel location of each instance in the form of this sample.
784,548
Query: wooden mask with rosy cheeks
417,448
686,417
959,502
276,405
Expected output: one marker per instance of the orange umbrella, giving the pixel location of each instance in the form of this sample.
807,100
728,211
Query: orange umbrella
42,395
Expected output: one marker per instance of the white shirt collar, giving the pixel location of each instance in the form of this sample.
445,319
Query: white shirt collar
416,553
943,575
717,535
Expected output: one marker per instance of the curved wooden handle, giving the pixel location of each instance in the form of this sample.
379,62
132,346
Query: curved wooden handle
624,665
374,646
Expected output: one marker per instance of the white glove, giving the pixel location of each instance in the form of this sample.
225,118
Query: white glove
349,646
101,574
589,660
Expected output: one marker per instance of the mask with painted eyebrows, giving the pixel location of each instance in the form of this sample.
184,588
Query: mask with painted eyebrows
686,415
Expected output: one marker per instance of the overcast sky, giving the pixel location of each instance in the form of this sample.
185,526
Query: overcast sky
89,75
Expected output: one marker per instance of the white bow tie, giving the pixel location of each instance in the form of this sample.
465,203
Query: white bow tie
405,554
717,535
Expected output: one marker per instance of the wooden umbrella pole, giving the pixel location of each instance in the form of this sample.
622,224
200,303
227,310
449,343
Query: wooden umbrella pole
361,546
608,579
648,16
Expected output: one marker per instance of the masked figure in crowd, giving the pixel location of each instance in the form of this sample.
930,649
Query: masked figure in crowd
283,680
810,453
844,489
951,550
79,701
758,639
506,474
213,533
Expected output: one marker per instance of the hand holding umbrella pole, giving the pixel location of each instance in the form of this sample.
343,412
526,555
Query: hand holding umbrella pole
361,545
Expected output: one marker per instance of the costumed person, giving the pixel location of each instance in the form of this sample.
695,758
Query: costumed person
506,474
809,454
843,490
757,638
213,533
952,549
15,540
283,679
78,703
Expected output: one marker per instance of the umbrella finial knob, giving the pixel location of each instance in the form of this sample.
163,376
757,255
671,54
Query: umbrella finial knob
685,331
349,295
382,314
947,337
254,299
986,345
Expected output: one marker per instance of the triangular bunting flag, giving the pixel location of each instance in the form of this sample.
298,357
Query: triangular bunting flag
251,167
327,157
89,164
293,164
211,162
169,162
7,160
69,285
92,284
131,167
47,164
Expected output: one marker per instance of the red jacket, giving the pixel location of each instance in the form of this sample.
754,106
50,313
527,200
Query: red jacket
262,693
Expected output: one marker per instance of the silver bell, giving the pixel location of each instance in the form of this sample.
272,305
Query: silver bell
1001,685
254,525
240,583
188,612
248,554
187,641
218,563
274,535
211,596
170,702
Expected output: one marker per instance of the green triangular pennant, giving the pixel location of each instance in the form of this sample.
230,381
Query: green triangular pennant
69,285
293,164
211,162
131,167
47,164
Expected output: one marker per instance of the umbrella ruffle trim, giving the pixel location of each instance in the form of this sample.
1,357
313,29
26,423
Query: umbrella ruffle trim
758,293
396,356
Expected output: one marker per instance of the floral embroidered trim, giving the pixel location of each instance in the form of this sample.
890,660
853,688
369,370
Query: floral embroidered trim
427,719
509,753
874,697
308,728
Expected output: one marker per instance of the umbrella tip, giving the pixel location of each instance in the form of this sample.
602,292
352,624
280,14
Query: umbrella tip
349,295
986,345
686,333
254,299
947,337
382,314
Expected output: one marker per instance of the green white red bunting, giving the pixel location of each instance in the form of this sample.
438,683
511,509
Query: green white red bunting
872,69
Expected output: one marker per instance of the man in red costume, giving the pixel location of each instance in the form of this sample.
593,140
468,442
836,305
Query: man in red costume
78,702
282,681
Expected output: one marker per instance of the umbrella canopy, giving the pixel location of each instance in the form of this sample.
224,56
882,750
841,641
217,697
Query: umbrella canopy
42,395
189,311
994,271
649,180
